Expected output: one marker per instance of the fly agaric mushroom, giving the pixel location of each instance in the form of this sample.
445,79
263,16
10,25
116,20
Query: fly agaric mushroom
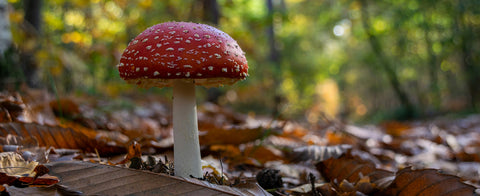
182,55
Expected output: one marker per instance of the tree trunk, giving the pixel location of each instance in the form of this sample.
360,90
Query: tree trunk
32,9
5,34
210,13
386,64
33,13
470,68
433,65
274,57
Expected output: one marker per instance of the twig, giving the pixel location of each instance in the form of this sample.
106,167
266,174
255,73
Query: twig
311,178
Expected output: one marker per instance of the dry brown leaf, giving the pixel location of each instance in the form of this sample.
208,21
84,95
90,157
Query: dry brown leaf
427,182
352,169
96,179
15,171
337,138
396,128
211,134
65,107
134,150
263,153
59,137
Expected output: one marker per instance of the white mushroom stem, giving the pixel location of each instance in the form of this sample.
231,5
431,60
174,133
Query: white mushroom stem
186,148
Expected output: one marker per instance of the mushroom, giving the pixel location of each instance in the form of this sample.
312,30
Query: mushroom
182,55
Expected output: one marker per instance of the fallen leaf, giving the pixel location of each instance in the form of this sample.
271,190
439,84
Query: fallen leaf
351,168
96,179
134,150
427,182
15,171
12,163
263,154
211,134
60,137
396,128
317,153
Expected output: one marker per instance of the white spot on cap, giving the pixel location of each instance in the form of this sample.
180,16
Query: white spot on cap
187,74
210,68
187,41
172,32
207,36
196,35
176,42
159,45
224,69
156,37
145,40
185,31
199,74
148,47
218,56
120,65
145,68
137,69
135,41
187,66
169,49
179,73
156,73
181,49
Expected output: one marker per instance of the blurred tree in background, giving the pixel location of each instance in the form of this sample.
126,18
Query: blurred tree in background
356,59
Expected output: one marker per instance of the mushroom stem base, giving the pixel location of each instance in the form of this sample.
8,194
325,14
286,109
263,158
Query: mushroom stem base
186,145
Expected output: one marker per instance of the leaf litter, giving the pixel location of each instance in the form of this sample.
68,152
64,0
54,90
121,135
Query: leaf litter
244,154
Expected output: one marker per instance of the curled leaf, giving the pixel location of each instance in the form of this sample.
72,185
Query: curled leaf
317,153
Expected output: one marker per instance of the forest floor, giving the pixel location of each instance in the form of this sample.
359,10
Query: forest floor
79,145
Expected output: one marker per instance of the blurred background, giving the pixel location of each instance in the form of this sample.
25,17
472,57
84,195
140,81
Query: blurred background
356,60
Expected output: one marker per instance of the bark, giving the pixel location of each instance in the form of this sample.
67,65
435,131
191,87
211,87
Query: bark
274,57
211,15
470,68
5,33
33,13
211,11
32,9
433,64
386,64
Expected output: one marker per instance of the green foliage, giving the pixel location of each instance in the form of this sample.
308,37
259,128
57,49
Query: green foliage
425,42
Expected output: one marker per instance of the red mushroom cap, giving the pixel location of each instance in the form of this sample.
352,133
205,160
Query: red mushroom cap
182,50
